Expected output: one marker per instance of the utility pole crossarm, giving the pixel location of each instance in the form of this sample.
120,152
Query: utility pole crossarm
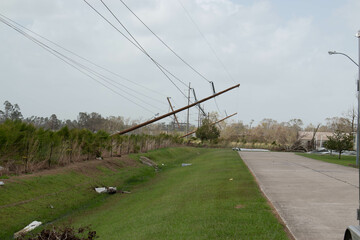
176,111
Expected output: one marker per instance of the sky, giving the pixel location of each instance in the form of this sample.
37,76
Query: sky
276,50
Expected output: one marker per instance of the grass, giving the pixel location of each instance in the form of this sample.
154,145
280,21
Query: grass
194,202
349,161
50,197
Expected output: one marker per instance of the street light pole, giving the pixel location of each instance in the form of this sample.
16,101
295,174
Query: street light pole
353,232
358,126
358,117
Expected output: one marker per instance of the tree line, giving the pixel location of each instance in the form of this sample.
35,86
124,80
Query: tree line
35,143
285,136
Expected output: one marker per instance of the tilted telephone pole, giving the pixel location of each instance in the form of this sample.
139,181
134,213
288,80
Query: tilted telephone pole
174,112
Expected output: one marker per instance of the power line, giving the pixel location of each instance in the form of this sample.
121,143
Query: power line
85,59
137,45
140,93
145,52
142,50
66,60
167,46
207,42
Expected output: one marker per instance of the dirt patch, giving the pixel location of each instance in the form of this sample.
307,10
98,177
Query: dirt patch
89,168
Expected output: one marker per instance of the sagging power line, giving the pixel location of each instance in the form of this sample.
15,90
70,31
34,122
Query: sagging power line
73,63
159,66
207,42
135,43
166,45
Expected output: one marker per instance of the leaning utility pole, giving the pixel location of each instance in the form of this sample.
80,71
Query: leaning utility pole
187,117
174,112
210,124
172,109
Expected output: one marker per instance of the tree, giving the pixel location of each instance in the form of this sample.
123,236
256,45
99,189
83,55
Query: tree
340,123
11,112
207,131
233,131
340,141
54,123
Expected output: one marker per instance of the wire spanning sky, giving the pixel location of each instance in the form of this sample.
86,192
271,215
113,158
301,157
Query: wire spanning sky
277,51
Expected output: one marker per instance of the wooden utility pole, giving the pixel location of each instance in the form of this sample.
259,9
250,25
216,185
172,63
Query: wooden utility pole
187,117
174,112
210,124
172,109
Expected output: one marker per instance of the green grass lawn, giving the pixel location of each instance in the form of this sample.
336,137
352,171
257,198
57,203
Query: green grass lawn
194,202
349,161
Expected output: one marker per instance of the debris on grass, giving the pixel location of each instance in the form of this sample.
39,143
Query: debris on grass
148,162
125,192
186,164
27,229
110,190
2,183
67,232
231,179
101,190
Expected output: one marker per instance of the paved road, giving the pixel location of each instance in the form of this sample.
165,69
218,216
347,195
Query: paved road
316,200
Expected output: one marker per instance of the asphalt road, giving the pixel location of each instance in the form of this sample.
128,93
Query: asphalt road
316,200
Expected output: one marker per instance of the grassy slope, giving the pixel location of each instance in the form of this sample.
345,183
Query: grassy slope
194,202
54,196
345,160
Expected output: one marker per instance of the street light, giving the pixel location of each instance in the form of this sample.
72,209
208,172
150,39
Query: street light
334,52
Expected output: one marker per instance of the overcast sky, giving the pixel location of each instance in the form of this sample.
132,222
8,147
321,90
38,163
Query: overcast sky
277,50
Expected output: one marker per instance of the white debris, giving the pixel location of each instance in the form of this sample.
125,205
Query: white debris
253,150
186,164
28,228
99,158
110,190
101,190
1,168
2,183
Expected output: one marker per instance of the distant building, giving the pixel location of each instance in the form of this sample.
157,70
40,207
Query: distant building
319,139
